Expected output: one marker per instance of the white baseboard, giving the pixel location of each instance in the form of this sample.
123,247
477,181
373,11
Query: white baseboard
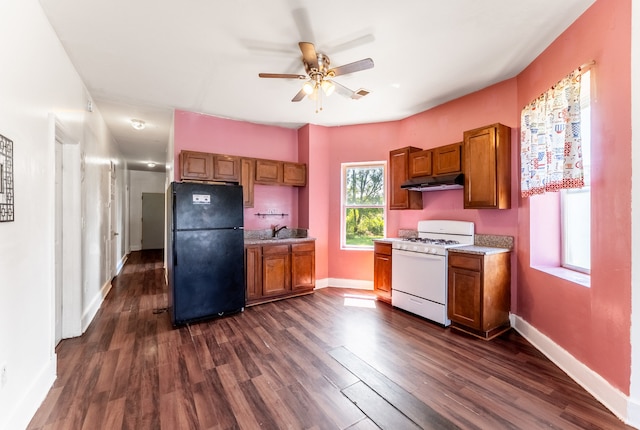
93,308
344,283
27,407
136,247
612,398
121,263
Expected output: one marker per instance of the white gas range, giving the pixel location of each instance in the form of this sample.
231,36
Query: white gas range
419,267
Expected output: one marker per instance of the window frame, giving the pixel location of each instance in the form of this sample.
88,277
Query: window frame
343,205
585,104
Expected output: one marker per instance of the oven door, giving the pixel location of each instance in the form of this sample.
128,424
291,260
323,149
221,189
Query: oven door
418,274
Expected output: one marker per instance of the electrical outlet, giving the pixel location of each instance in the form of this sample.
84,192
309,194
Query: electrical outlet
3,375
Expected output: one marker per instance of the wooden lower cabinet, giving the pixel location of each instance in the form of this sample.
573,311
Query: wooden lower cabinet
382,271
479,288
303,266
278,271
253,272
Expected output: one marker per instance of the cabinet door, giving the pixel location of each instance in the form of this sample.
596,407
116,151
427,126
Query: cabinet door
303,262
382,273
196,165
253,270
247,172
294,174
464,297
487,168
420,163
382,268
269,172
276,270
447,159
399,173
226,168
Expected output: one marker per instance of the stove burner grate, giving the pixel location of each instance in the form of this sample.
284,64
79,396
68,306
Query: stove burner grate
432,241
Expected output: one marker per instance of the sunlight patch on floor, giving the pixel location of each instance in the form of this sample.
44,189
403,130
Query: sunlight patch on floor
360,301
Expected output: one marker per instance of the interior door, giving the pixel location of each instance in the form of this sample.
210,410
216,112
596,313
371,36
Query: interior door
152,220
58,241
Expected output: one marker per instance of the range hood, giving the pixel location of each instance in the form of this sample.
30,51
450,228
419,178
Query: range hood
435,183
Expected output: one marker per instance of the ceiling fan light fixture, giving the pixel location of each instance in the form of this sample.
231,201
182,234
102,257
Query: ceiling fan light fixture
328,87
138,124
308,87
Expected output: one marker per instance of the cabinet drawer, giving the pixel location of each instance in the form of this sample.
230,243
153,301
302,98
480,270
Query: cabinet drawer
275,249
469,262
303,247
382,248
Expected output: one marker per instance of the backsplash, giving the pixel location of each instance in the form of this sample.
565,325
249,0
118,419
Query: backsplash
266,233
490,240
493,241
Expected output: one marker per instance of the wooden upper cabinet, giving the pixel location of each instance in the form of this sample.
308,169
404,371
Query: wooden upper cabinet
269,172
247,175
487,167
294,174
226,168
398,174
196,165
420,163
447,159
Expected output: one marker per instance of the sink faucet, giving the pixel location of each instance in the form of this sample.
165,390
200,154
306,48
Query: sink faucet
275,229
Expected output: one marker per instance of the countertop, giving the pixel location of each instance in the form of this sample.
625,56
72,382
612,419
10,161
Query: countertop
278,241
481,250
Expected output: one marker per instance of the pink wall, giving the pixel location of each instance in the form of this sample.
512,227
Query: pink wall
207,133
314,198
593,324
436,127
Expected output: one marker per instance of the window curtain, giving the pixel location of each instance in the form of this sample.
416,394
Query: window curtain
550,145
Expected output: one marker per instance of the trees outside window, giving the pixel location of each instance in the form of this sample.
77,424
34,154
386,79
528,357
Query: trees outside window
363,204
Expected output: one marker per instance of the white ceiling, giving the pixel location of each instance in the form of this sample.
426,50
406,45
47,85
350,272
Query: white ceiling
144,58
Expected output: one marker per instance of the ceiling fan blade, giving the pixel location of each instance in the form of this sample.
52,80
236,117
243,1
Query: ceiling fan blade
309,54
299,96
281,75
356,66
342,90
346,92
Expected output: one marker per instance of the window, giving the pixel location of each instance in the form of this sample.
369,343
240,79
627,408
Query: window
364,204
575,204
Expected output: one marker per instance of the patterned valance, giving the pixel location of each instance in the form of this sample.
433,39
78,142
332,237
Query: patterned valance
550,144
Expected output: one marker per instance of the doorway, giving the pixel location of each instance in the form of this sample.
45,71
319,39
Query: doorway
152,220
67,231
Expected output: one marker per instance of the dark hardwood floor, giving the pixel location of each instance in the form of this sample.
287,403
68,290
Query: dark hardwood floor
312,362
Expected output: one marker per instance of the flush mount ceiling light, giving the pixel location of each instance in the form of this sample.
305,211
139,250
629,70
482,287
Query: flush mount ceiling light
138,124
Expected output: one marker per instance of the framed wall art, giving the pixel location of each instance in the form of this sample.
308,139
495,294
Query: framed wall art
6,179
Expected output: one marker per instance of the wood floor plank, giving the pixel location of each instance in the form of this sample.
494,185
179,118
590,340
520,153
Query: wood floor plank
381,412
418,412
290,364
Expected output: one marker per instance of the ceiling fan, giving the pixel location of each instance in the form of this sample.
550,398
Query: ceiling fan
320,76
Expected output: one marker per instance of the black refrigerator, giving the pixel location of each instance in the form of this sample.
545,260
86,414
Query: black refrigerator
205,253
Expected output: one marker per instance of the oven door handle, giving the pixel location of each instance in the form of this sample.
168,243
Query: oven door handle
422,255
